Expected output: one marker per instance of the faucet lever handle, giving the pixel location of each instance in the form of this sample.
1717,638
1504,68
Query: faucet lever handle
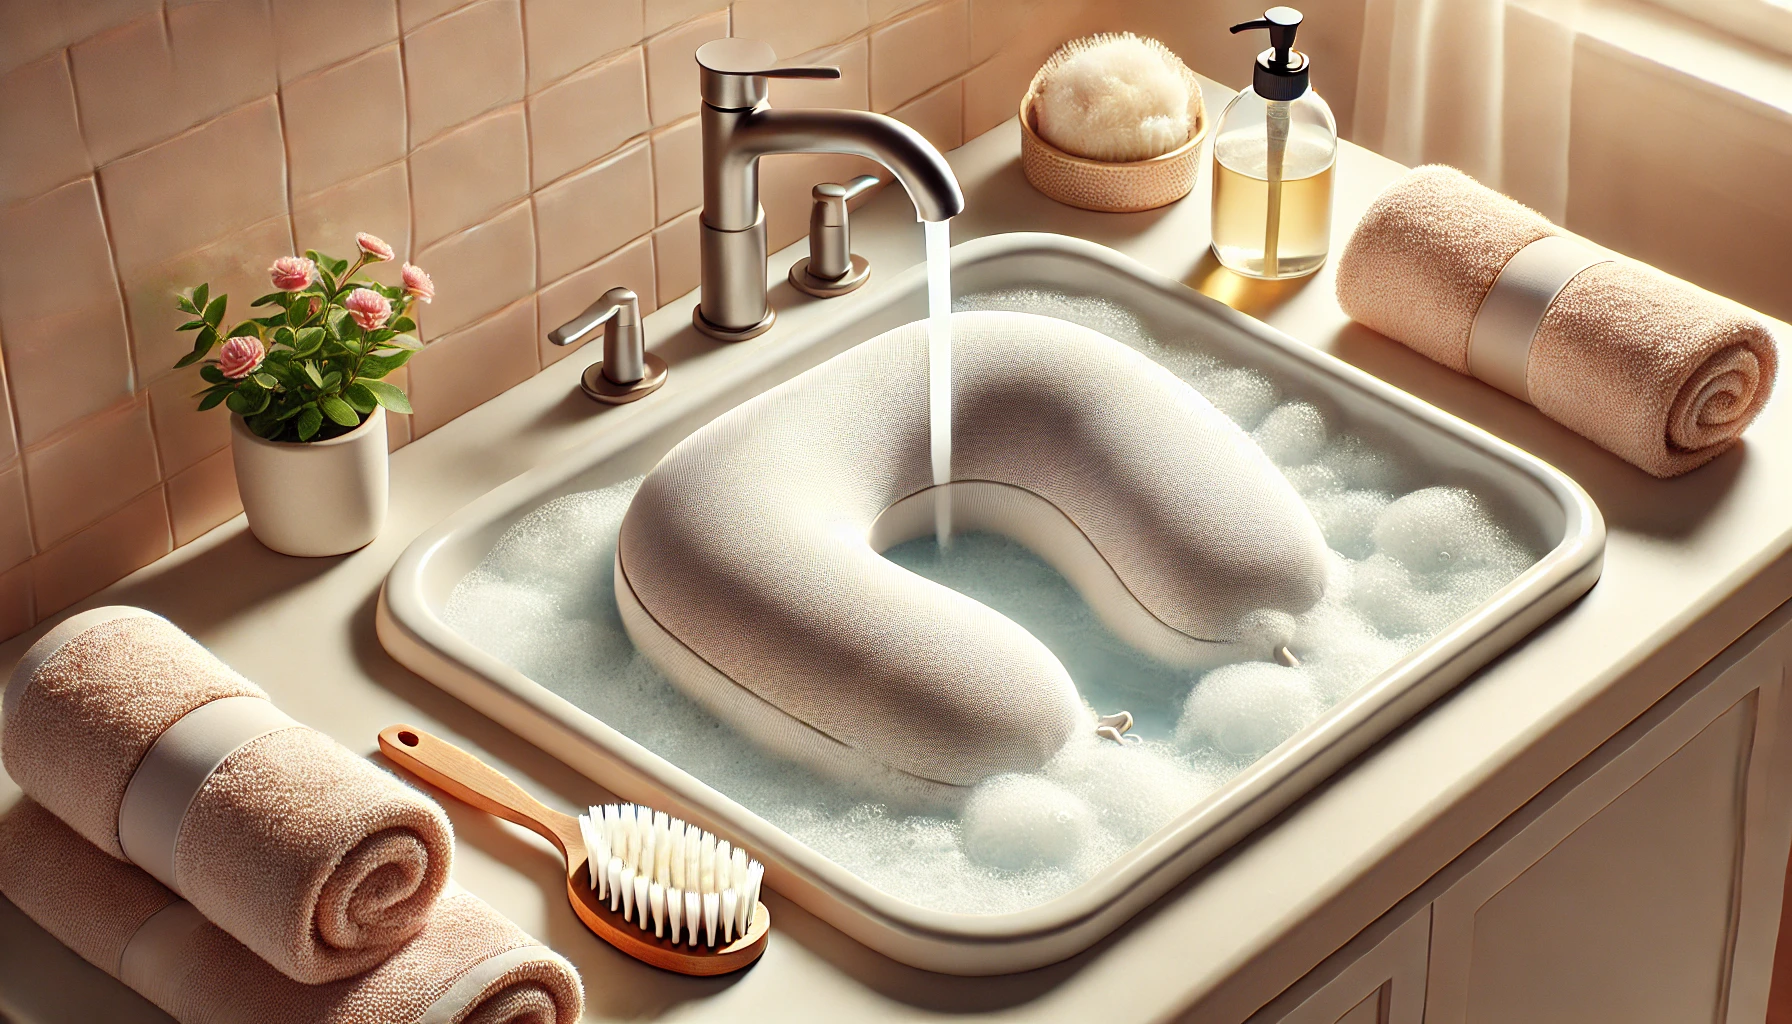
735,72
803,71
620,304
856,187
832,268
627,371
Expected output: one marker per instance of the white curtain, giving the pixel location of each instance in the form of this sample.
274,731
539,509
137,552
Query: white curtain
1483,85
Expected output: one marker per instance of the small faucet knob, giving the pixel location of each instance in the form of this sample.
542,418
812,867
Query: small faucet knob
832,268
627,371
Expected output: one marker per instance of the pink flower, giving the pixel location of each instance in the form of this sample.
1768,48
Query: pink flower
240,356
369,308
378,250
292,273
417,283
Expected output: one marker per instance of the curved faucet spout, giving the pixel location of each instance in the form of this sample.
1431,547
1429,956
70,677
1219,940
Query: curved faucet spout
739,127
731,178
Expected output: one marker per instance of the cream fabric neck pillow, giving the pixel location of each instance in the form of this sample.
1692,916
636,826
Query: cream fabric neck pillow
748,569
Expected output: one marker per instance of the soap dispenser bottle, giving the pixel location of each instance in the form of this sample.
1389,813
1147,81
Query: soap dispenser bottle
1272,163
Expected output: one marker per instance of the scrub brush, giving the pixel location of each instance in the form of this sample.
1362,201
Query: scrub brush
664,892
663,874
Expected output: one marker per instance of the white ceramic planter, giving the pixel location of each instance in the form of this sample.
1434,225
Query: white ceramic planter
321,498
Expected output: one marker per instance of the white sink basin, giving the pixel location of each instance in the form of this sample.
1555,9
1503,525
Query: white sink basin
1546,511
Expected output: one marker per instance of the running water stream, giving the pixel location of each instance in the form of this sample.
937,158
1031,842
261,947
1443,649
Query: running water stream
939,369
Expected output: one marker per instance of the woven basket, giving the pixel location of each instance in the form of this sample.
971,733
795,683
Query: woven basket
1111,187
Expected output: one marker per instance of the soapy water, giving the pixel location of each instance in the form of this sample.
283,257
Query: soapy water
1406,560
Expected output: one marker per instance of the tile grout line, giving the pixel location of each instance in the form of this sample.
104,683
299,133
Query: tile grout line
534,296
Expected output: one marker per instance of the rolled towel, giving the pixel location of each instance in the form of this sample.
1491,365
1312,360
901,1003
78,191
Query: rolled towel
158,753
1661,373
467,964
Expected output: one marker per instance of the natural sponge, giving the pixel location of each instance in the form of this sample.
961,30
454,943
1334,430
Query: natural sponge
1116,97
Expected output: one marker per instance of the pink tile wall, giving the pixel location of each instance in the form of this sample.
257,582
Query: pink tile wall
529,153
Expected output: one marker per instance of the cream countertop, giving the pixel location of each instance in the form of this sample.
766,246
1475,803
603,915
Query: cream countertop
1690,565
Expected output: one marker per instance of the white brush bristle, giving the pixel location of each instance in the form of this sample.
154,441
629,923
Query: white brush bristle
1115,97
673,879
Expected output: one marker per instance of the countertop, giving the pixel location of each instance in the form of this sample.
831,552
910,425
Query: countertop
1690,565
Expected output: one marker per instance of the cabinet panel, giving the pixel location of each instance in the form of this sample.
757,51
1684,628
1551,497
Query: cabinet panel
1627,919
1637,888
1377,978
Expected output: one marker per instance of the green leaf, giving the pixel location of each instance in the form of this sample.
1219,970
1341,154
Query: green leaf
266,380
246,328
332,379
298,313
202,345
191,325
388,395
326,280
283,335
382,364
338,267
309,421
360,398
316,257
403,325
211,374
214,311
200,294
273,299
308,340
316,378
212,398
237,403
339,411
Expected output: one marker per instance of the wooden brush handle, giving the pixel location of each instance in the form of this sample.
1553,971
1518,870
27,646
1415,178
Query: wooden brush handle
472,781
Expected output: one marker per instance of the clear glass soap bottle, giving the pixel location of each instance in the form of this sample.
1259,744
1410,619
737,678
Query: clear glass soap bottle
1272,163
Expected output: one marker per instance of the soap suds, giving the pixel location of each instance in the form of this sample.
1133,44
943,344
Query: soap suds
1407,559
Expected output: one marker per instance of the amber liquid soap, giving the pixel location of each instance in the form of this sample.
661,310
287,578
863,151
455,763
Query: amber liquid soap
1241,202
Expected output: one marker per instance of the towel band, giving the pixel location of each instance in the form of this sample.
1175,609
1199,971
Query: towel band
175,769
152,958
1499,341
477,978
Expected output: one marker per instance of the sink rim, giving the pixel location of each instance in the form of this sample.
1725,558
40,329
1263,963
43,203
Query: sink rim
977,944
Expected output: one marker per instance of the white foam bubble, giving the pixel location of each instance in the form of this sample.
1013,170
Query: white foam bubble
1348,518
1244,710
1245,396
1291,434
1014,822
1439,529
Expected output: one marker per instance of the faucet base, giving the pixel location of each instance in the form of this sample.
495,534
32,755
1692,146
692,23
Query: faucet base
821,287
600,388
733,333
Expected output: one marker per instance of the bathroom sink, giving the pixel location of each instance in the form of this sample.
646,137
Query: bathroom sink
1545,513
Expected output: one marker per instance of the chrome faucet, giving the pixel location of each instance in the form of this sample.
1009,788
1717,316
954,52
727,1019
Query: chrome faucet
739,127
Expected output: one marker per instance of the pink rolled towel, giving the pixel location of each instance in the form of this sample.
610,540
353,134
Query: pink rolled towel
466,965
158,753
1655,370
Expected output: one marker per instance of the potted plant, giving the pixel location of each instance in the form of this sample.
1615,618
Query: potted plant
306,391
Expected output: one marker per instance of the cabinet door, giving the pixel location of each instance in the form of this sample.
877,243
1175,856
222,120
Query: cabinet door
1377,978
1644,886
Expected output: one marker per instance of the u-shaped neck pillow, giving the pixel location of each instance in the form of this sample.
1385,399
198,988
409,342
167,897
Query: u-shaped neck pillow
749,571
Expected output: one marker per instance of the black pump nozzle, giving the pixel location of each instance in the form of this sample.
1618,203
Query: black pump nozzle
1283,23
1281,69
